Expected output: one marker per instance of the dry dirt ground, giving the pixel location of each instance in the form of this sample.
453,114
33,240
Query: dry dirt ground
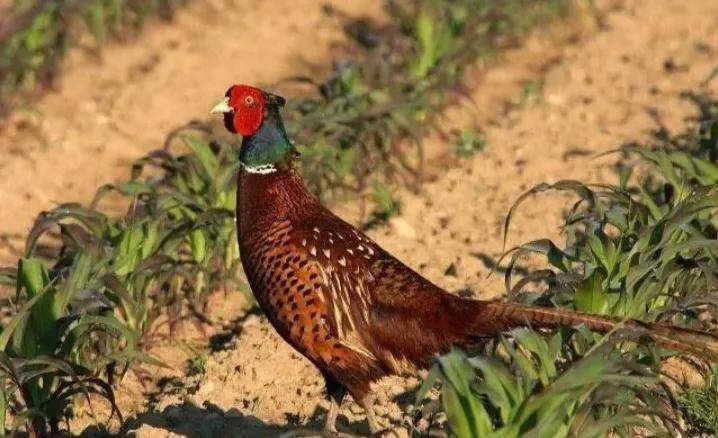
596,89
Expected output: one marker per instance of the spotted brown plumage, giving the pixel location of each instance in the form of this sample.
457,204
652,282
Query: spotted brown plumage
356,312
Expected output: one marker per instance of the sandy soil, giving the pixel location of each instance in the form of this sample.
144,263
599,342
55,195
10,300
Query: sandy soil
596,91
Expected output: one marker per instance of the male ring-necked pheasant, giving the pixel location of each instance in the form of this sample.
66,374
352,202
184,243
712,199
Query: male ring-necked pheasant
351,308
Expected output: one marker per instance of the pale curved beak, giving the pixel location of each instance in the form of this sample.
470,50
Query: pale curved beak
222,107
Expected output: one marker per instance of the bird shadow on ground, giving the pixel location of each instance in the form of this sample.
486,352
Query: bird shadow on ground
190,420
224,339
209,420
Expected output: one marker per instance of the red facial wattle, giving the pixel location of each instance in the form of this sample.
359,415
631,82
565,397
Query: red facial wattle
248,105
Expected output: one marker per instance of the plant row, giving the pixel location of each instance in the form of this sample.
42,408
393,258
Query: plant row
36,34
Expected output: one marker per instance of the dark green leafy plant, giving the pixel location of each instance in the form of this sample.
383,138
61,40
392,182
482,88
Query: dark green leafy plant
627,258
528,385
644,251
103,255
97,307
700,406
196,192
39,347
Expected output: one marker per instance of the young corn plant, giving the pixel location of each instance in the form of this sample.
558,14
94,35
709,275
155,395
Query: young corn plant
529,385
627,258
196,191
116,258
645,251
98,305
385,205
49,349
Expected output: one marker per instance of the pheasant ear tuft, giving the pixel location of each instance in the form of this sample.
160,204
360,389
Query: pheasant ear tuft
273,99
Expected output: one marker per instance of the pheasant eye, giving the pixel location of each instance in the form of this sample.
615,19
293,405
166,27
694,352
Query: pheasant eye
249,100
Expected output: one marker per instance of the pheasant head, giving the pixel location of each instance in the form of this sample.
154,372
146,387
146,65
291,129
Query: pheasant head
254,114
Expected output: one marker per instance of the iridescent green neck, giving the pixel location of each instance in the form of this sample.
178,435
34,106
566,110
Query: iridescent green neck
268,147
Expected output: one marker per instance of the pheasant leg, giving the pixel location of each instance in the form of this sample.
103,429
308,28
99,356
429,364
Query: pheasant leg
336,393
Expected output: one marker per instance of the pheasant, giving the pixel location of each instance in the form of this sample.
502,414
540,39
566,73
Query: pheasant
351,308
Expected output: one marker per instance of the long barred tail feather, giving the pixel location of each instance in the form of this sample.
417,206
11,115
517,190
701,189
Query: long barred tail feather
492,317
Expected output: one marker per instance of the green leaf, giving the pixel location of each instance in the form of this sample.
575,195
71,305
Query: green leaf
205,155
590,296
466,414
499,386
198,245
20,317
151,239
128,249
33,278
